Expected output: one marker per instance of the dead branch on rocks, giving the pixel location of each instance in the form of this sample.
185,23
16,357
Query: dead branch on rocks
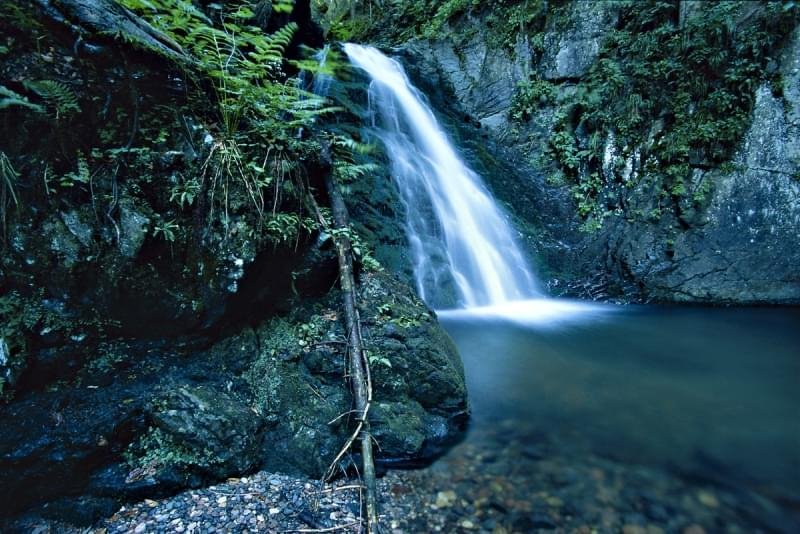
358,364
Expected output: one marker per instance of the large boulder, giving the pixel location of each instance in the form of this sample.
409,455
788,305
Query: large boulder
417,377
144,419
222,432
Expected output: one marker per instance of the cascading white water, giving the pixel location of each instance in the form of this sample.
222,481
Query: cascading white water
458,235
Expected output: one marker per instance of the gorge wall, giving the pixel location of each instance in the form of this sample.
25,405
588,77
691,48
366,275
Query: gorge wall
617,215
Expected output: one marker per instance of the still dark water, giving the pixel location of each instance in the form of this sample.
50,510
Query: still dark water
709,394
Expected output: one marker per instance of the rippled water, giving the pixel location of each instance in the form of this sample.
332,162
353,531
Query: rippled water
712,394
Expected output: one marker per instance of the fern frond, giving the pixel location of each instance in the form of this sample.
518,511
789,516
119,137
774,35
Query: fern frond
283,6
81,175
351,145
346,172
57,95
10,98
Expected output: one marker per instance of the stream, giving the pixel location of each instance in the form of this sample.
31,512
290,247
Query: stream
707,395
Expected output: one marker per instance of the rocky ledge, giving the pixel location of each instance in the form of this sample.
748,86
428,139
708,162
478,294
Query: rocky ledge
144,420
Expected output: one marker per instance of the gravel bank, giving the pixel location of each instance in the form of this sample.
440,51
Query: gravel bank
494,483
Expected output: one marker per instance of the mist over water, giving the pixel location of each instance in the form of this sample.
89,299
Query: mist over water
706,392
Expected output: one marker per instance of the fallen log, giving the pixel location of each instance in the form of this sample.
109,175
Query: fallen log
107,18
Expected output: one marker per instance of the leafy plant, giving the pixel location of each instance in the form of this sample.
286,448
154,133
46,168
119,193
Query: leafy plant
378,359
284,227
10,98
167,230
81,175
185,192
530,96
8,191
260,109
61,101
346,151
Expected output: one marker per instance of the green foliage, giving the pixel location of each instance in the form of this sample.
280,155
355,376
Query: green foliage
156,449
346,151
360,249
244,64
444,12
529,97
564,149
396,21
690,90
82,175
21,17
283,227
8,191
256,151
378,358
166,230
510,19
10,98
60,100
185,192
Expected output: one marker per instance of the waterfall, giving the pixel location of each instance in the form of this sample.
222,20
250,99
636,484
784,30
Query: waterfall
322,82
461,242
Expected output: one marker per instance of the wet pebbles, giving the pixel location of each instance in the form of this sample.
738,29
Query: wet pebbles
493,485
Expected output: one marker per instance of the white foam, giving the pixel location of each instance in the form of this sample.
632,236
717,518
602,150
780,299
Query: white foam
534,312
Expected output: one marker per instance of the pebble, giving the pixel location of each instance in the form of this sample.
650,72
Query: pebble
557,489
445,498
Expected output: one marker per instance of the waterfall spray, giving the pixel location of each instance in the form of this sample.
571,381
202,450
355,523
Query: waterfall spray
459,238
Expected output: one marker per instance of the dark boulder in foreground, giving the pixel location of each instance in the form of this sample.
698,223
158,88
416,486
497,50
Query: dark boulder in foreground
144,420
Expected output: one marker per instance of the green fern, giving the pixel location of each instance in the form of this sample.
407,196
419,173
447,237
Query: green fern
283,6
60,99
10,98
81,175
8,190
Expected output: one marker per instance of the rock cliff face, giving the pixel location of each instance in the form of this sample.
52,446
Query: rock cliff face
744,247
739,246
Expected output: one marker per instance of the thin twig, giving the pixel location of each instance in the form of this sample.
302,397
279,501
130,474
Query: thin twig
330,529
342,488
348,412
